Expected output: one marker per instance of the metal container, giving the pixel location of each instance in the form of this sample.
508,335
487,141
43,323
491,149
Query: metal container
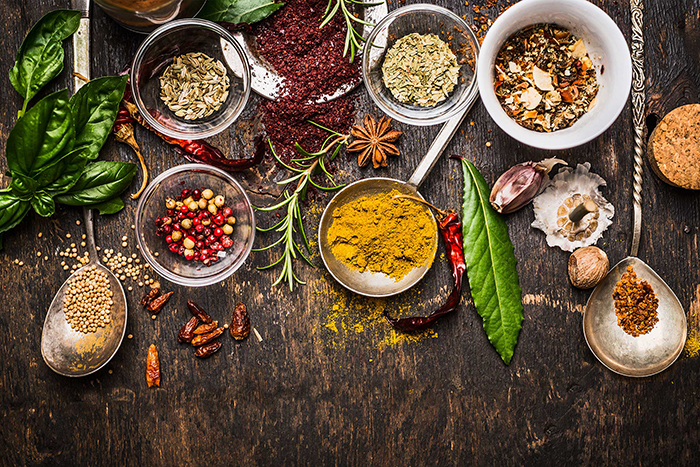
146,15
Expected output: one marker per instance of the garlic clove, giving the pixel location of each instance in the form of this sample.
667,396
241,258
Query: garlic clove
519,184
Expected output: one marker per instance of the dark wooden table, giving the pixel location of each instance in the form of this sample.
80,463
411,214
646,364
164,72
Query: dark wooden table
330,383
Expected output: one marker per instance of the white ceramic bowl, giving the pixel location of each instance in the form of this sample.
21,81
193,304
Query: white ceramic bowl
606,47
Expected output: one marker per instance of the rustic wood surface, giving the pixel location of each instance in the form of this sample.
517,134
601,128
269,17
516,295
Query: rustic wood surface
310,395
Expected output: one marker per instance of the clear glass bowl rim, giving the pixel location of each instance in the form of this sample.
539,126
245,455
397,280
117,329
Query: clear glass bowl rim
169,275
146,45
422,8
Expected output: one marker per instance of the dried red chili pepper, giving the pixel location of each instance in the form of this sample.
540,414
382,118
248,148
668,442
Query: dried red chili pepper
150,296
207,350
451,231
158,303
205,328
193,150
206,338
199,312
152,367
240,323
187,331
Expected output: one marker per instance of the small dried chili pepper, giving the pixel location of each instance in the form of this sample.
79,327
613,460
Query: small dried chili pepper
206,338
150,296
240,323
187,331
153,367
207,350
205,328
451,231
199,150
199,312
158,303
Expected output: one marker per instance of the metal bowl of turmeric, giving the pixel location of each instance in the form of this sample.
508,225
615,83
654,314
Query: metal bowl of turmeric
374,244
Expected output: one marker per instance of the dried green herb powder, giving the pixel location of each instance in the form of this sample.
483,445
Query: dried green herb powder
420,69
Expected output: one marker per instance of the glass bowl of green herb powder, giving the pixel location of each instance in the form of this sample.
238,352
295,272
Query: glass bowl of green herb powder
190,79
419,64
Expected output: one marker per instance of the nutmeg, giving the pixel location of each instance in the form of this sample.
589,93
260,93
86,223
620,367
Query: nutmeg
587,267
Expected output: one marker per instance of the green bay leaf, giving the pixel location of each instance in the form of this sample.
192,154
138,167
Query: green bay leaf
491,265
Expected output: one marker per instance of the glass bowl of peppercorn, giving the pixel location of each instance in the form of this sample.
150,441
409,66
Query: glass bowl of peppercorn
190,79
195,225
419,64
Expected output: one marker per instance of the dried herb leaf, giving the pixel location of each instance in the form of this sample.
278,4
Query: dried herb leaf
493,278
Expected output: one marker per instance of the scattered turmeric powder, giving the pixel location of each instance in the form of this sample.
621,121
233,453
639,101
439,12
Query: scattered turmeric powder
692,344
378,233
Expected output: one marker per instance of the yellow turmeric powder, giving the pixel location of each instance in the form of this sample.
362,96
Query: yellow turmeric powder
378,233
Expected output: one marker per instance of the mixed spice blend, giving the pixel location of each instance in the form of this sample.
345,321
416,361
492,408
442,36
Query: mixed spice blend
635,304
545,80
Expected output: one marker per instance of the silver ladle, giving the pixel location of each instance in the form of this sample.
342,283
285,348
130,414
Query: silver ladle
73,353
649,353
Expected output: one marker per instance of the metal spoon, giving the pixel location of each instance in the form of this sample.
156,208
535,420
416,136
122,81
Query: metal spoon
72,353
649,353
375,284
265,80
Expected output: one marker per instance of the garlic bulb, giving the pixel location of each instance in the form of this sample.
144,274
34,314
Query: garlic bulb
571,211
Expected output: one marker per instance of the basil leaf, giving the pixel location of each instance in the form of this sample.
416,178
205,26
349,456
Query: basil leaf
99,182
12,210
112,206
239,11
40,57
94,108
23,187
493,278
44,132
61,175
43,204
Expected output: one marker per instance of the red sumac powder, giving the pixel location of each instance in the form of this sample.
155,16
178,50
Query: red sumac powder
311,61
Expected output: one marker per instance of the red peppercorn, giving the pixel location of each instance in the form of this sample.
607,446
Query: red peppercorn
184,209
181,250
210,239
218,232
181,215
196,221
191,214
167,228
227,212
226,241
177,227
170,212
219,219
206,232
199,228
174,247
185,193
159,231
196,194
159,221
169,239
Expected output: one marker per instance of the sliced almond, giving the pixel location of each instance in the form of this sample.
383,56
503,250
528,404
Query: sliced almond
543,80
514,67
531,98
579,51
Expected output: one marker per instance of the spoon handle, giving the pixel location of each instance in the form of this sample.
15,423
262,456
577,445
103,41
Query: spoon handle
90,231
440,142
638,103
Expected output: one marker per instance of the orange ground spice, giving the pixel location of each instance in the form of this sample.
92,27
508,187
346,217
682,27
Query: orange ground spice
635,304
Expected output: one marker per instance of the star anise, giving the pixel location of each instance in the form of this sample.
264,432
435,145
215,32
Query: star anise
373,141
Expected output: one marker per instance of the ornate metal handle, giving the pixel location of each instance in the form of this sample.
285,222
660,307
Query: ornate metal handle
638,104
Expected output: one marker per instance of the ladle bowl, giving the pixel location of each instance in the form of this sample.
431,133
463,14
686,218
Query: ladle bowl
72,353
646,354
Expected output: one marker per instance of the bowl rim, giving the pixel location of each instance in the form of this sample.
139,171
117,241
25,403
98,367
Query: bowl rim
167,273
146,45
490,49
414,8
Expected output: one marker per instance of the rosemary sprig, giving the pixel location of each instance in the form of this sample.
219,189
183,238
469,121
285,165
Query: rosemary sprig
353,39
304,168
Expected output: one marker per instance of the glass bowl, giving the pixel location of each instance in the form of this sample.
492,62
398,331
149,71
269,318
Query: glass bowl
157,53
422,19
144,16
172,266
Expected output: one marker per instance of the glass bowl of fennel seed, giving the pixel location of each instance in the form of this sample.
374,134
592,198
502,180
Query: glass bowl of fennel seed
190,79
419,64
